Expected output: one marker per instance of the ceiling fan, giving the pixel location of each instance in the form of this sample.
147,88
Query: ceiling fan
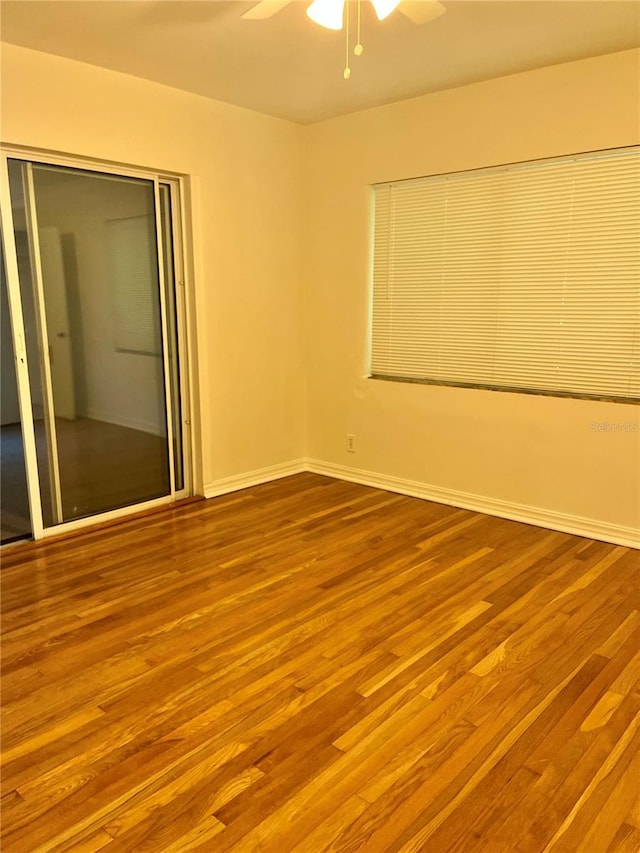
329,13
335,14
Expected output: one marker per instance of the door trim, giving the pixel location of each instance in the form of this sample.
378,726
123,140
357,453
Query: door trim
20,351
33,237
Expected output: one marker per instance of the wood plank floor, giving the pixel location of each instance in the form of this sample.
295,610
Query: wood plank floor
313,665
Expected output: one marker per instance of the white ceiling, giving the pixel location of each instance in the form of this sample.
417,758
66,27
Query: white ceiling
289,67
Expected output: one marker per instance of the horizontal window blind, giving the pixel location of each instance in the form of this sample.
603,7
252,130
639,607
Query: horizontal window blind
524,277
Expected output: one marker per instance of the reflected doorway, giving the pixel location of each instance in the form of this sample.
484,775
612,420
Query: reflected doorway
96,256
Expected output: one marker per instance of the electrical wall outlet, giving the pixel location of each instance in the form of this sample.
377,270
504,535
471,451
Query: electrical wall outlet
351,444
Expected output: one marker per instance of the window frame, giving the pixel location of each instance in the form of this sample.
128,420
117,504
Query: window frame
471,384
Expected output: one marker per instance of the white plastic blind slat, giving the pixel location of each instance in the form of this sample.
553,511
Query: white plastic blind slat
524,277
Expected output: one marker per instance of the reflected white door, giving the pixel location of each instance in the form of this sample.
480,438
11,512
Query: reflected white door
58,326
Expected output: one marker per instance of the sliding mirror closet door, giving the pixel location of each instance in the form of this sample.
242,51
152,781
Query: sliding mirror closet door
91,277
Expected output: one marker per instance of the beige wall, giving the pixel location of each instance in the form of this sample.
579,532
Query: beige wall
281,234
246,205
507,449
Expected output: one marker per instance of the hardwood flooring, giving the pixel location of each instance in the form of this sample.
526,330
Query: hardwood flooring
312,665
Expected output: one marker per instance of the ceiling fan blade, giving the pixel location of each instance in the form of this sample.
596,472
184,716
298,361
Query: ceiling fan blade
421,11
265,9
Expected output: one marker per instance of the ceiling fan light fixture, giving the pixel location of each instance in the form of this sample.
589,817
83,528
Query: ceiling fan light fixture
328,13
384,7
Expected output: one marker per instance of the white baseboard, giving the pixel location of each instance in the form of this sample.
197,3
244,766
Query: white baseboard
254,478
131,423
575,524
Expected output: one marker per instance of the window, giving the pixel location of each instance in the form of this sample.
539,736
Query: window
522,277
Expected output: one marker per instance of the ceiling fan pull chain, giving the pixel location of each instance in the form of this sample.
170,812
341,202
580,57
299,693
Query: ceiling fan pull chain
358,48
347,70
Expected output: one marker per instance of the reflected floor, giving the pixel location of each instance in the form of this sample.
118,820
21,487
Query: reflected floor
103,466
15,522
